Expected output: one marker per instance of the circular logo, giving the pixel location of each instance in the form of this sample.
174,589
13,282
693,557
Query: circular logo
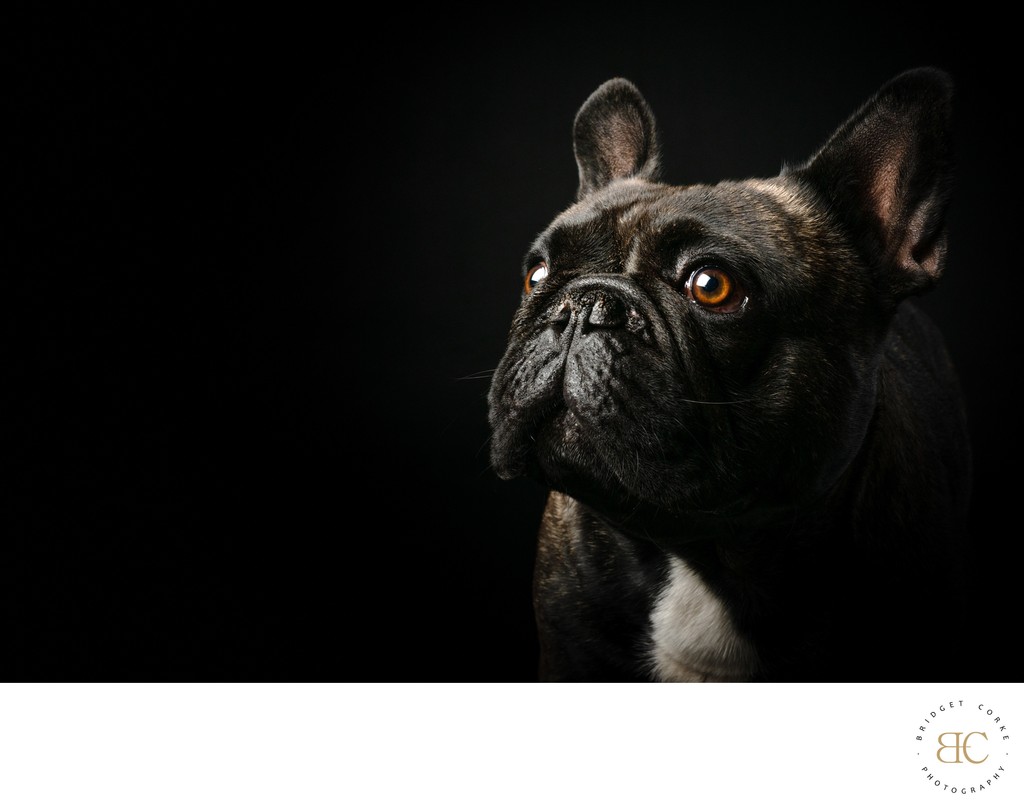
962,747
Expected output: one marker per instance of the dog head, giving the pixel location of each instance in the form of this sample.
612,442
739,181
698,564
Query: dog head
713,349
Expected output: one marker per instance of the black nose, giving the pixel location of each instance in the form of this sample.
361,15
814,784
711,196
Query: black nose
598,304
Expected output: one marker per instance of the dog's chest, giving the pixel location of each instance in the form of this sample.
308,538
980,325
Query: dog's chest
693,638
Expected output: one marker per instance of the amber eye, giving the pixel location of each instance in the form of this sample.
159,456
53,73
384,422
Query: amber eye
715,289
536,274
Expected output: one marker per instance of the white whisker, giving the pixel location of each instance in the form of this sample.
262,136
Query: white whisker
703,401
477,375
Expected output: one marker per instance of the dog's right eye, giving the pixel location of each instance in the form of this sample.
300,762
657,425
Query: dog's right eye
713,288
536,274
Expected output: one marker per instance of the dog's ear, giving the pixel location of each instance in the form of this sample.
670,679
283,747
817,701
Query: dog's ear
888,171
614,137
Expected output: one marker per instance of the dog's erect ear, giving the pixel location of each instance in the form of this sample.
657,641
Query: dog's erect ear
614,137
888,171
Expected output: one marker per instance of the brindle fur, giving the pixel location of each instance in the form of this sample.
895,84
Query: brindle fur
806,457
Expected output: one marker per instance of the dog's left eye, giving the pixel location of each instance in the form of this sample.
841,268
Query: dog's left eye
536,274
713,288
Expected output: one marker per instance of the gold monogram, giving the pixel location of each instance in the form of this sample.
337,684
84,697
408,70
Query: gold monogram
960,747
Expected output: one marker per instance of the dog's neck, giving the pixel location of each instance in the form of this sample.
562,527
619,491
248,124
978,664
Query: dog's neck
712,602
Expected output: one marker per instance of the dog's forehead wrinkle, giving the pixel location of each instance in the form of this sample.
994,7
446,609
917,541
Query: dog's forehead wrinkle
604,224
619,198
754,221
764,223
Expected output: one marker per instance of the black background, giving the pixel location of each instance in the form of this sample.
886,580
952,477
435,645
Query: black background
258,268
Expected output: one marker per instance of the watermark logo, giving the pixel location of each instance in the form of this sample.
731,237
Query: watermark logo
963,748
960,747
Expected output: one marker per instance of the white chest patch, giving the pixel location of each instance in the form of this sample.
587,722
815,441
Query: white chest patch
693,639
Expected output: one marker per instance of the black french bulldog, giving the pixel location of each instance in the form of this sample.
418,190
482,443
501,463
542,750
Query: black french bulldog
755,442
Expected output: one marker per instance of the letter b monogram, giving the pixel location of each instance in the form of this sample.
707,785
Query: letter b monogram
960,747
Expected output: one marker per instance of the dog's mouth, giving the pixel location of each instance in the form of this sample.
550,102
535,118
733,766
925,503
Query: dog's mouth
557,450
556,445
522,436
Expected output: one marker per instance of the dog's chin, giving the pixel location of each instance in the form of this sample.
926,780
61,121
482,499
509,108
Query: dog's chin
566,459
598,467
